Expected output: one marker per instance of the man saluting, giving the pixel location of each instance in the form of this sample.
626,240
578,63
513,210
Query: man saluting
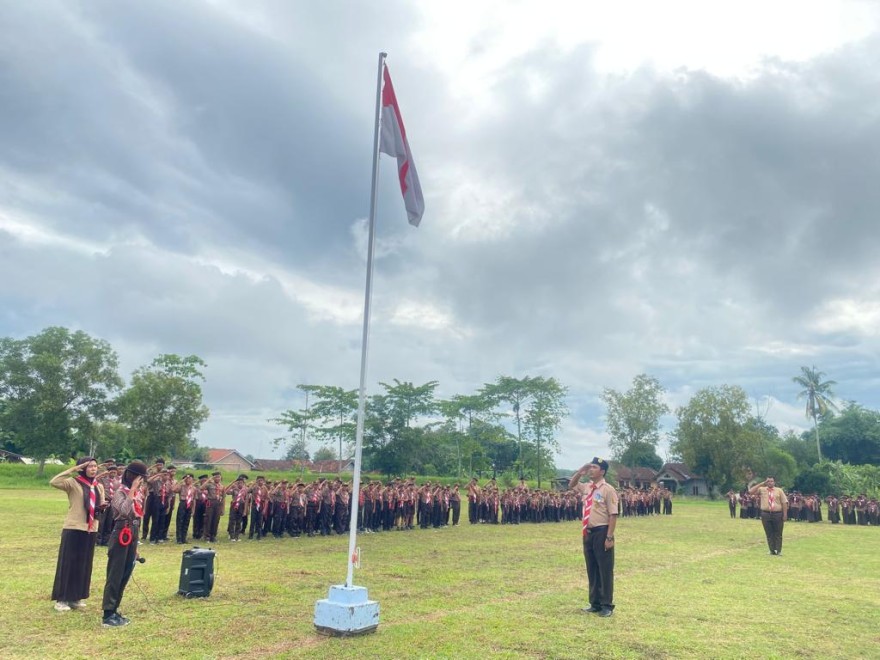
774,511
600,508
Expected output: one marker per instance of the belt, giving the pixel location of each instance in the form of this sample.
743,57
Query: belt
765,511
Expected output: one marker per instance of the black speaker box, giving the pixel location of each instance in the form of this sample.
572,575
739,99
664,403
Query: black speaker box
196,573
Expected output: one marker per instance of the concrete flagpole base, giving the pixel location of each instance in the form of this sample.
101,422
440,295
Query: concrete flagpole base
346,612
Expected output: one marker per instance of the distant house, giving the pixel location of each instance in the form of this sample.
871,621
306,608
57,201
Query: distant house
330,467
638,477
229,459
678,478
11,457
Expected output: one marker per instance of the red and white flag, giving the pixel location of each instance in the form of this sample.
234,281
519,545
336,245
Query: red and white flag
392,141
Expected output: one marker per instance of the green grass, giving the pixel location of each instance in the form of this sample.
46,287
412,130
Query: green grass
696,584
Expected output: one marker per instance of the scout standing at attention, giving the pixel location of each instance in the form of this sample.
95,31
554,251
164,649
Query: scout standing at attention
599,520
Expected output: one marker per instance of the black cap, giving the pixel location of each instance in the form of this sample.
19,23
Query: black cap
137,468
601,462
242,477
203,476
215,474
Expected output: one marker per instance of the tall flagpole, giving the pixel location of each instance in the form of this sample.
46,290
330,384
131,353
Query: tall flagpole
347,610
365,341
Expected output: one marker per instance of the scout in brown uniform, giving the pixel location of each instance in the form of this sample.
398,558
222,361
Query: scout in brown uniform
199,510
213,490
473,489
259,501
170,501
189,494
862,509
110,482
774,511
238,507
833,509
148,505
599,522
85,497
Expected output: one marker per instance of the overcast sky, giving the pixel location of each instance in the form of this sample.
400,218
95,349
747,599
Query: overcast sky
686,189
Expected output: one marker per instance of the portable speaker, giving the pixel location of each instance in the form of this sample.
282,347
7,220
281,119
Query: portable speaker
196,573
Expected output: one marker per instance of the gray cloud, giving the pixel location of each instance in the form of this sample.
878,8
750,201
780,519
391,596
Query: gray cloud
197,175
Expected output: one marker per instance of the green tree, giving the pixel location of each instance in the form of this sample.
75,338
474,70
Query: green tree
335,410
813,480
802,449
300,424
641,454
54,386
163,406
714,436
392,444
818,395
110,439
460,412
515,392
633,417
853,436
325,454
406,401
297,451
544,414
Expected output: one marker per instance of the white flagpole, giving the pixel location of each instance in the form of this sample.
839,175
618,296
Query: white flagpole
362,396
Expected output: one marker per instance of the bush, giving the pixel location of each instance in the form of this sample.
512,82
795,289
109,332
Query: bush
813,480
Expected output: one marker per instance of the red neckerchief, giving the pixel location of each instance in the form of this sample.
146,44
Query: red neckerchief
588,507
138,507
92,498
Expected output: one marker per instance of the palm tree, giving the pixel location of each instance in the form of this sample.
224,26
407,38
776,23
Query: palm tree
818,394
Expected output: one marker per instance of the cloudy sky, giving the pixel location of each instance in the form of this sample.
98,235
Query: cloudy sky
686,189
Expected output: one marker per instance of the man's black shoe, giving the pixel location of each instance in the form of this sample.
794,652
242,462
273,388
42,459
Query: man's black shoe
606,611
114,621
591,609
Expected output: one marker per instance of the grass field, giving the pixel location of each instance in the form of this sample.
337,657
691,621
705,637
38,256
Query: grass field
696,584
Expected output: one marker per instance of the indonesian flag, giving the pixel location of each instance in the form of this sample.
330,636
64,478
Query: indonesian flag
392,141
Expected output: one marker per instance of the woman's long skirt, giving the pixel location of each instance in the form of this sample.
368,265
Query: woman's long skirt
73,574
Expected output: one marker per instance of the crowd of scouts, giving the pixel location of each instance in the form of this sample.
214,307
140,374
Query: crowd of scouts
845,509
120,506
646,502
259,508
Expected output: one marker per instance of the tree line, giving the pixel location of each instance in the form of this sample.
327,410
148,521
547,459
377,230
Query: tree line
61,395
723,437
507,426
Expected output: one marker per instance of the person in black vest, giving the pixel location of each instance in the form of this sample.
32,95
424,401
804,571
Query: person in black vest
127,511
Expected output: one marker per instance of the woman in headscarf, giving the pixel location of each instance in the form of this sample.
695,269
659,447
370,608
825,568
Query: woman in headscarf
127,511
73,574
